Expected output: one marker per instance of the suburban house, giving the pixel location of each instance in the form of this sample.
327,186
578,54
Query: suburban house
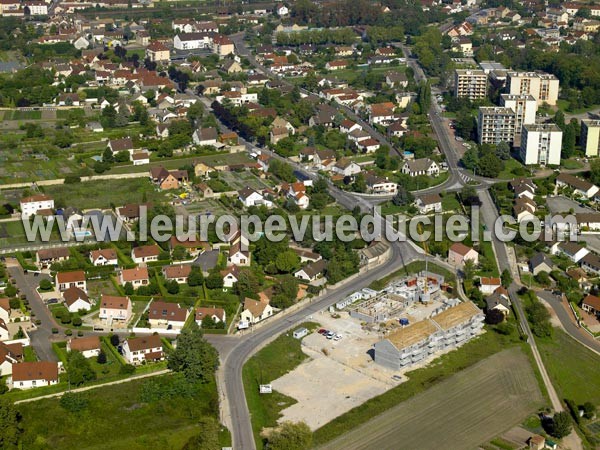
230,276
591,263
540,262
217,314
121,145
379,185
591,304
115,308
76,299
89,346
254,311
205,136
169,315
421,166
429,203
237,256
499,300
249,197
5,309
4,334
28,375
131,212
166,179
572,250
311,271
46,257
158,52
145,253
31,205
65,280
487,285
139,350
346,167
104,257
459,253
8,358
137,277
580,188
524,209
177,272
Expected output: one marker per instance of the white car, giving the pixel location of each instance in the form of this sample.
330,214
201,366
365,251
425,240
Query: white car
337,337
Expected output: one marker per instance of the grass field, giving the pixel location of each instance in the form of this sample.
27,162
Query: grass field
119,417
15,114
104,193
467,409
572,368
275,360
510,165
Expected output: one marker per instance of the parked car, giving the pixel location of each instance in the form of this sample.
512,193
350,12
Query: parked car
51,301
338,337
330,335
322,331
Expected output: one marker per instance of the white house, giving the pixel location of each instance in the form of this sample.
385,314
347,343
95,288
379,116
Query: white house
282,10
191,41
487,285
76,299
104,257
137,277
5,309
66,280
145,253
255,311
165,314
459,253
429,203
580,188
8,358
217,314
346,167
29,375
230,276
311,271
115,308
89,346
572,250
143,349
205,136
31,205
249,197
421,166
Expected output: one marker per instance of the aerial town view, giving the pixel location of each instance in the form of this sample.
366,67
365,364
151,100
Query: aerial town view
328,224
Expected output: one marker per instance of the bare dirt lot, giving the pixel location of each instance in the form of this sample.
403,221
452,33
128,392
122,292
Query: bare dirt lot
462,412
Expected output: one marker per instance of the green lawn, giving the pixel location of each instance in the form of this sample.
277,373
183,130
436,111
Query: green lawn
572,368
16,114
450,202
571,164
512,168
121,417
275,360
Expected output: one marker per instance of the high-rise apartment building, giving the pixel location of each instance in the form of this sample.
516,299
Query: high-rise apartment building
541,144
590,137
524,106
496,124
471,84
542,86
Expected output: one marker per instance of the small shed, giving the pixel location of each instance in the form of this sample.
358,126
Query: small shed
300,333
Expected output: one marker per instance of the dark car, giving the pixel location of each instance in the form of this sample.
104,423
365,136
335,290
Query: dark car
322,331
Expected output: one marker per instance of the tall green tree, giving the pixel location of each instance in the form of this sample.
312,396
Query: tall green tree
194,356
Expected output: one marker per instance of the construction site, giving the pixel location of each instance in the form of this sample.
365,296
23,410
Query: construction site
415,310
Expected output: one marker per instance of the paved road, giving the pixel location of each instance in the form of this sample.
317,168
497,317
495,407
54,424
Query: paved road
41,339
567,320
505,261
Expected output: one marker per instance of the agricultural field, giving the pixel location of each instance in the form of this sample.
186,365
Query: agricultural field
467,409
